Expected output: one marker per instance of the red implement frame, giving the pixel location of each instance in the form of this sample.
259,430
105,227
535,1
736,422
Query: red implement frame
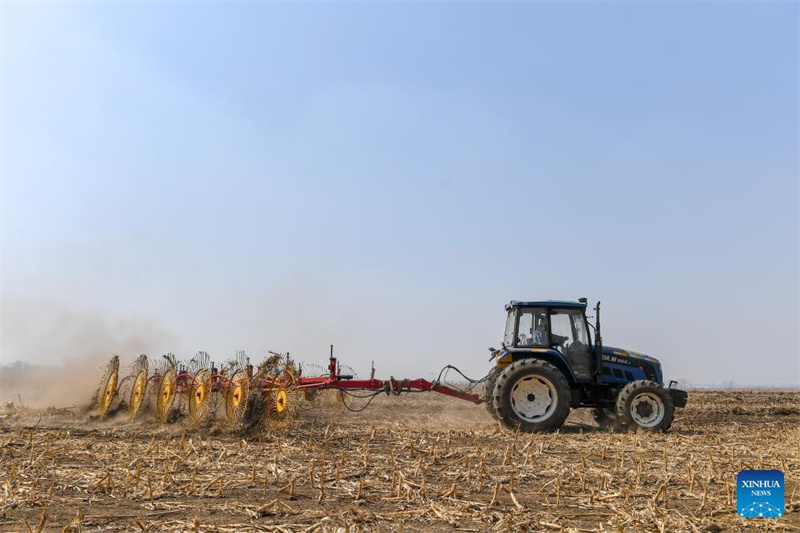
391,386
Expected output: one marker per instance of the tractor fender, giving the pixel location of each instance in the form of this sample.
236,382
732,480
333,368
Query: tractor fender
553,357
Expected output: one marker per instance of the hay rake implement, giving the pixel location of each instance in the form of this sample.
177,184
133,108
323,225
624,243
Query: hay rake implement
272,394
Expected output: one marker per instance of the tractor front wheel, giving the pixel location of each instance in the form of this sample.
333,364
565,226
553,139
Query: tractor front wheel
532,395
646,405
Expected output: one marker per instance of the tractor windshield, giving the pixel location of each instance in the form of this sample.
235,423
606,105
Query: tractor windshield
508,338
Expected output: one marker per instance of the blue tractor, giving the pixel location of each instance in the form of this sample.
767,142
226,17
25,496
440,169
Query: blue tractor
549,363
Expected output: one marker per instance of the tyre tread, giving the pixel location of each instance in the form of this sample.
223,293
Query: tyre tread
488,399
503,410
631,388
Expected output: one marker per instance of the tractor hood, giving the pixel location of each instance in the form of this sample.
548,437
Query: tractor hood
627,358
619,352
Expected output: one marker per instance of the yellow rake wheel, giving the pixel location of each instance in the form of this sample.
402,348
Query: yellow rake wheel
199,397
108,392
166,394
282,401
137,393
236,396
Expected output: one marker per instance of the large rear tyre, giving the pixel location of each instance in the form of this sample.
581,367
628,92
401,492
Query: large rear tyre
532,395
488,399
645,405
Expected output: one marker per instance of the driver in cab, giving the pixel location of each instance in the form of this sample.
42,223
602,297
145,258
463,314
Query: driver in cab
539,336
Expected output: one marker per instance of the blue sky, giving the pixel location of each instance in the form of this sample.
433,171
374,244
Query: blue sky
385,177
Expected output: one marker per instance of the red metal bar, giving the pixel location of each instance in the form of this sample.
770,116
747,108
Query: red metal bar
334,380
424,384
390,386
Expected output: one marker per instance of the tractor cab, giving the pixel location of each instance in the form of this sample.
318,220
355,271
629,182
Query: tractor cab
555,328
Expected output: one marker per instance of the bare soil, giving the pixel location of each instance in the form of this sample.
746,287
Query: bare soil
411,463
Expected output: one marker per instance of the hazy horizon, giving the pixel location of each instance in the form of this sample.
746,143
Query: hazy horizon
179,177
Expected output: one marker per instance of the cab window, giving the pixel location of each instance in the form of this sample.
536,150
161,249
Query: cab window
571,339
532,328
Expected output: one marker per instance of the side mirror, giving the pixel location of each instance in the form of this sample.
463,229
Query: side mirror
492,349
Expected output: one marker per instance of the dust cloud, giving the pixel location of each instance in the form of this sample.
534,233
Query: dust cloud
53,356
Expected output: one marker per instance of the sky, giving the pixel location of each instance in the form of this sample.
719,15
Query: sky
385,177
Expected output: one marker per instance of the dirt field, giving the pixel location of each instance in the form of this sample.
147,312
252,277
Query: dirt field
418,463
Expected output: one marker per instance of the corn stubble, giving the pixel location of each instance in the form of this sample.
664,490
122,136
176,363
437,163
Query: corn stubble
419,463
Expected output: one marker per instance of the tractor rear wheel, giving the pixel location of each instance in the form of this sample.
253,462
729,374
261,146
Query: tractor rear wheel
488,389
532,395
646,405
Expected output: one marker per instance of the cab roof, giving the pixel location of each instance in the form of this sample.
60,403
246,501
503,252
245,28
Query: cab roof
545,303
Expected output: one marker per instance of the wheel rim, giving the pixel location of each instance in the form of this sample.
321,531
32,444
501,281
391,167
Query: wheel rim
647,410
199,394
236,398
534,398
137,394
280,401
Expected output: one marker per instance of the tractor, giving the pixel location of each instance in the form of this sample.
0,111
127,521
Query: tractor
548,363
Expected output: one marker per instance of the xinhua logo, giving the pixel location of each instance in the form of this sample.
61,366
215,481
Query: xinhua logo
759,493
